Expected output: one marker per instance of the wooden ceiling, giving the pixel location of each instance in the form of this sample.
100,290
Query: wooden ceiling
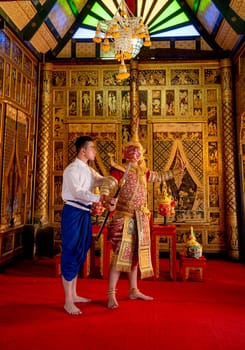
48,26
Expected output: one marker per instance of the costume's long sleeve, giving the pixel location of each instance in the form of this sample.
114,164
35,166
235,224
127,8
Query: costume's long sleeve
155,176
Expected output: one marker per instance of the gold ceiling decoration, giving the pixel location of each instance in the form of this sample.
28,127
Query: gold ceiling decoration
128,33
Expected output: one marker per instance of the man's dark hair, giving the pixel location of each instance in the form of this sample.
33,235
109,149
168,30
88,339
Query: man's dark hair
82,142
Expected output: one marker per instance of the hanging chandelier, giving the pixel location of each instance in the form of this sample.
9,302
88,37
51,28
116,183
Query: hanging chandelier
127,32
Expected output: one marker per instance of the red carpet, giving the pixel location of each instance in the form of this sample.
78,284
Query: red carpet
184,315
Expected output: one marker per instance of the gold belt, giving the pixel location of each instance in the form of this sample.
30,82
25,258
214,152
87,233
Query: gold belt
130,211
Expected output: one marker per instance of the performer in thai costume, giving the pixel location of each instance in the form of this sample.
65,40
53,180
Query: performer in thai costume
79,182
129,228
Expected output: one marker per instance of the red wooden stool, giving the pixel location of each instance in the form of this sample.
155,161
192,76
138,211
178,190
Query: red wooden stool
86,266
188,265
89,265
105,251
168,231
106,259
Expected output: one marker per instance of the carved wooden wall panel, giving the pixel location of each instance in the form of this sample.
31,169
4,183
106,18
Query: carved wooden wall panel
18,105
180,114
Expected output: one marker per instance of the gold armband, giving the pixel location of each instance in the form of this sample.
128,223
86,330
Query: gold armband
167,175
109,186
155,177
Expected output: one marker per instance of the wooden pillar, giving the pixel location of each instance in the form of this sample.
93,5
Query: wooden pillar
230,161
134,98
44,147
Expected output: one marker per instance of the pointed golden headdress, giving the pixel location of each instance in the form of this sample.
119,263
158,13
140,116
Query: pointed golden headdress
133,150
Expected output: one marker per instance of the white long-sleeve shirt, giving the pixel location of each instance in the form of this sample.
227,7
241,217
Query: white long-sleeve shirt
79,182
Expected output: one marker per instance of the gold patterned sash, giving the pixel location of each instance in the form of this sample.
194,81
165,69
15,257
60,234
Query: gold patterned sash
127,248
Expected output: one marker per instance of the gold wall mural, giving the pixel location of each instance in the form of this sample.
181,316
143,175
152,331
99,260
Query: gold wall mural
180,113
184,108
18,113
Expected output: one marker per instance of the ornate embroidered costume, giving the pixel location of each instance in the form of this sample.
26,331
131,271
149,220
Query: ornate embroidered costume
129,229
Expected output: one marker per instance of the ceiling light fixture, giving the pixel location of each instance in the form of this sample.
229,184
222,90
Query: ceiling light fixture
128,33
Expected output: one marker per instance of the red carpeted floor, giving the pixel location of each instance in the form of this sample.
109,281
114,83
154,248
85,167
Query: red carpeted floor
184,315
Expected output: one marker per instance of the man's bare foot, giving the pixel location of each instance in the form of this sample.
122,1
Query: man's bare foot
136,294
112,301
78,299
71,309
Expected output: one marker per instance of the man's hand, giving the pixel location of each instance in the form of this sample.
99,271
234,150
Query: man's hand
109,202
112,204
